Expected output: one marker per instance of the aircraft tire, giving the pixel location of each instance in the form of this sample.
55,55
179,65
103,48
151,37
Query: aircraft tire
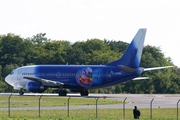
84,93
21,92
62,93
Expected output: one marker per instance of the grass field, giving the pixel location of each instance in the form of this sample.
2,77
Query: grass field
29,101
77,114
104,114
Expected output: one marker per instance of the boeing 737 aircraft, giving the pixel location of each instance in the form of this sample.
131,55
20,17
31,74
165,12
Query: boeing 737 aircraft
80,78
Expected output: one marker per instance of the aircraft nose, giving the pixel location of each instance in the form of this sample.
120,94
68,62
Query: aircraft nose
8,79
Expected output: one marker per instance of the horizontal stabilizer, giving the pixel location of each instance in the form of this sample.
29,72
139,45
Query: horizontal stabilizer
157,68
140,78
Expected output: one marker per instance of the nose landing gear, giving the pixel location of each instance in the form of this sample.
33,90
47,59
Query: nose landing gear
21,92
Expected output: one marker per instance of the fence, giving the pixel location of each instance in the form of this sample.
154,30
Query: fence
19,104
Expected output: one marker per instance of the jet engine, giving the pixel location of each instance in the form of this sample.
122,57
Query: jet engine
35,87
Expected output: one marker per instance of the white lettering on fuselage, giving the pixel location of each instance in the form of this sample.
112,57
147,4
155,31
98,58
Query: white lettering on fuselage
117,73
114,73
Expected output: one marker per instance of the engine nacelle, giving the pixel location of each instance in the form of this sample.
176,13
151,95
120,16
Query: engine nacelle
35,87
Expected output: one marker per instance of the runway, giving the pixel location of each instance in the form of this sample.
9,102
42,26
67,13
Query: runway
140,100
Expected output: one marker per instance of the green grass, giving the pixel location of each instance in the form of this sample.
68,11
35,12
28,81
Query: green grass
30,101
83,114
78,114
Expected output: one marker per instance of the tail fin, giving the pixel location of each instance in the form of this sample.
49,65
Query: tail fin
132,56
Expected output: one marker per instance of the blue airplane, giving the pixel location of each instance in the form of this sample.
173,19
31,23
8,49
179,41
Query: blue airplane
80,78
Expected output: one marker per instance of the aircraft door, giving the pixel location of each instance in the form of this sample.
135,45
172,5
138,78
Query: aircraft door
19,74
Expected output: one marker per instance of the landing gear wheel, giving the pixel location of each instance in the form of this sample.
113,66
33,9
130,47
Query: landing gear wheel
62,93
84,93
21,92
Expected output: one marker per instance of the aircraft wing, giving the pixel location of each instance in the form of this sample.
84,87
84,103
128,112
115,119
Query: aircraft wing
45,82
156,68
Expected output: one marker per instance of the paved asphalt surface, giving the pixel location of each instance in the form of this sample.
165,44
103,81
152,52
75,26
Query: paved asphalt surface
140,100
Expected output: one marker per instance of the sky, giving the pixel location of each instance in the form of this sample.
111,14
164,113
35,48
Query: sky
79,20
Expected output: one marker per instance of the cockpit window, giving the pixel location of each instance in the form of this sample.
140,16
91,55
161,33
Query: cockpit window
11,72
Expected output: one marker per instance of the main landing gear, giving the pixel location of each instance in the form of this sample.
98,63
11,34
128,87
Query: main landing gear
62,93
84,93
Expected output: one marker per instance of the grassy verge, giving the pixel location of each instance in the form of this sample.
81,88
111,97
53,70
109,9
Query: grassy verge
84,114
30,101
77,114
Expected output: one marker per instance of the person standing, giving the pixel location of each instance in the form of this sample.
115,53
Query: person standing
136,112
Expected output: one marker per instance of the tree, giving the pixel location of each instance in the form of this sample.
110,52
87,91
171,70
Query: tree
8,69
16,51
116,46
11,50
39,39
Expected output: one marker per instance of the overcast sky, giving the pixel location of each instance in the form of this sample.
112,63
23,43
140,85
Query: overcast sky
79,20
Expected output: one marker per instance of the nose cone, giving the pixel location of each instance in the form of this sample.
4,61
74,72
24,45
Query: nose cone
8,79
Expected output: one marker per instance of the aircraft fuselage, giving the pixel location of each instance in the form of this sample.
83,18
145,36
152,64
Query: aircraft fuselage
79,76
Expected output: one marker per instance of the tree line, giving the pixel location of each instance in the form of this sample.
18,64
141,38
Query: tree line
16,51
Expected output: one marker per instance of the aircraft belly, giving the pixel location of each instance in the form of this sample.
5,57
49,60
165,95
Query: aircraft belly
20,84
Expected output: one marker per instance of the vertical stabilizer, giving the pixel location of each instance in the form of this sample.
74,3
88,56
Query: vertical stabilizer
132,55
